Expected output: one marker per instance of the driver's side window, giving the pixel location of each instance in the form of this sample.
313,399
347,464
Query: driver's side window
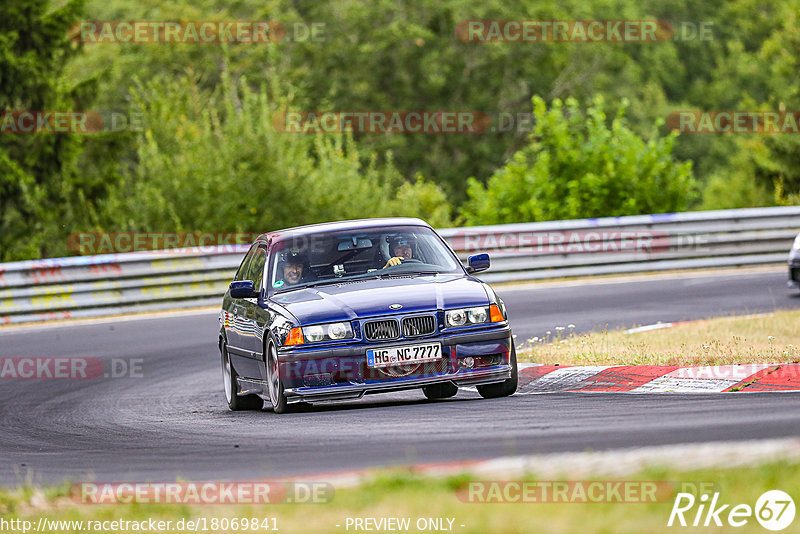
256,270
241,273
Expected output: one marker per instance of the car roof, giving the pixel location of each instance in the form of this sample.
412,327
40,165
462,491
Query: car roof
356,224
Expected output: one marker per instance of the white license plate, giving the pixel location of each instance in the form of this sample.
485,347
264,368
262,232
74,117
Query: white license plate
389,356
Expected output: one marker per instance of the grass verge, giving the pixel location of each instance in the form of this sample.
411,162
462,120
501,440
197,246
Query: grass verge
768,338
399,494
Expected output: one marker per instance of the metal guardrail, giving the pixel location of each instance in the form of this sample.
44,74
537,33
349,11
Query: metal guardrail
86,286
618,245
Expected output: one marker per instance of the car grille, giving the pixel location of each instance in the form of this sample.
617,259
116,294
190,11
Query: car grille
377,330
419,325
795,274
424,369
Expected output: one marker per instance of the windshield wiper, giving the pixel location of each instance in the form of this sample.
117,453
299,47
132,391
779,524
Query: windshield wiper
401,274
332,281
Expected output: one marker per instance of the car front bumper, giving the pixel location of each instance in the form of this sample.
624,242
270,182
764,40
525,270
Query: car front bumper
794,270
336,373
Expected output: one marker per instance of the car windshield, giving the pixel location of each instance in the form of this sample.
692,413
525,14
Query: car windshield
331,257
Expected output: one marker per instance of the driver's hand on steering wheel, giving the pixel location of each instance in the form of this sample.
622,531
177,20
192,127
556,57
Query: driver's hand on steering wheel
397,260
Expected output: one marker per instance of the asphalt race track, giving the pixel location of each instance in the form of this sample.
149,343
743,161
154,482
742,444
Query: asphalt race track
642,301
170,419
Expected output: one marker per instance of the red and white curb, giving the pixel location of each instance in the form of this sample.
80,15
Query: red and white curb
658,378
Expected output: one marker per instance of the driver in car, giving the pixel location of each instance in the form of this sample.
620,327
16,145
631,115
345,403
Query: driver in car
401,249
293,267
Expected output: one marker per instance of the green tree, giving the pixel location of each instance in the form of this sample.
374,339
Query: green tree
575,166
212,161
41,192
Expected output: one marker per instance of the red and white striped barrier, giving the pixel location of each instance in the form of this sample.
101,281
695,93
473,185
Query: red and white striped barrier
658,378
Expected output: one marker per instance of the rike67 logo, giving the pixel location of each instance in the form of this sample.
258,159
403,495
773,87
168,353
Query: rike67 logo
774,510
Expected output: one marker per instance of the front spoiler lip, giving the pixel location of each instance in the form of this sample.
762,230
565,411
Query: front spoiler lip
356,391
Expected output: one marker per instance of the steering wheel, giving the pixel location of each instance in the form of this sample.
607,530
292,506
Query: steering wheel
410,260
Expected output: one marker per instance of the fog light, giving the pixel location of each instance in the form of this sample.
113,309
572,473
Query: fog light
468,362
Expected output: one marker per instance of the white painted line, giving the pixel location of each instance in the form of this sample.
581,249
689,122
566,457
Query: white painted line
565,378
669,384
61,323
648,328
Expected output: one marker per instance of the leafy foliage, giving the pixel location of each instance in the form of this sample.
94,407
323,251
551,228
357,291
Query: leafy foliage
576,166
40,189
207,150
214,162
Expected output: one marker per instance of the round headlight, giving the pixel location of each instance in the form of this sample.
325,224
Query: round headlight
477,315
314,333
337,331
457,317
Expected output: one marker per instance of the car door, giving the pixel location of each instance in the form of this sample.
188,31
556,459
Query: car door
235,310
252,319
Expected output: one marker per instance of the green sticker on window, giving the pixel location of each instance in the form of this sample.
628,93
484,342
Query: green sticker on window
279,283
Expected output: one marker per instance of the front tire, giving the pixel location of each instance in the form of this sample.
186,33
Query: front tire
505,388
274,383
440,391
235,402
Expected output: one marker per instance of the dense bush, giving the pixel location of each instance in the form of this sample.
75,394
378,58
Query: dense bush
215,162
576,165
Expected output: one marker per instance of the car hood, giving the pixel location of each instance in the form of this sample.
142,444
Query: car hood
369,298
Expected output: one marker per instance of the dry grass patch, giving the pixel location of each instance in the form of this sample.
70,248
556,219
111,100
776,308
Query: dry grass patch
768,338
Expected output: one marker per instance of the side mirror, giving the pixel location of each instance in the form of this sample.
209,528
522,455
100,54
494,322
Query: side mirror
243,289
478,263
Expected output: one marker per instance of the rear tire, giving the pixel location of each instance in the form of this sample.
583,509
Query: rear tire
505,388
235,402
440,391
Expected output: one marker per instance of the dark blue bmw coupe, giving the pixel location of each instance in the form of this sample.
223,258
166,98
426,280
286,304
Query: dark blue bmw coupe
338,310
